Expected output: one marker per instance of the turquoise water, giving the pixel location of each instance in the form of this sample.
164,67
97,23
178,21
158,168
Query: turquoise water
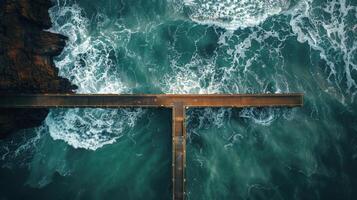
198,46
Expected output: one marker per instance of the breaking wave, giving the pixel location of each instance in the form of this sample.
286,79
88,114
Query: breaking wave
88,61
234,14
90,128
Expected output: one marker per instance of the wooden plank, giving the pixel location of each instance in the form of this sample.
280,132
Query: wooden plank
178,151
154,100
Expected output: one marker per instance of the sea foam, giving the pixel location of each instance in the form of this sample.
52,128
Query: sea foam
89,61
233,14
330,29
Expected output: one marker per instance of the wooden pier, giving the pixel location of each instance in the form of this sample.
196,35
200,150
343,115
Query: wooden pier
178,104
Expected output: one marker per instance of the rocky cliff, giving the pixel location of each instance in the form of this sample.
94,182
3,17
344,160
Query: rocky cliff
26,59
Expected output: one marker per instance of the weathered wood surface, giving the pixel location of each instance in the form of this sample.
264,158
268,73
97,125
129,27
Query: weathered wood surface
148,100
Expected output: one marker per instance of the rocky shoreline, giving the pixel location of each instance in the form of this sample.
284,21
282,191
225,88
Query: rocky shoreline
26,59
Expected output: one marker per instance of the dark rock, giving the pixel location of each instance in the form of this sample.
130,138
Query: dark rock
26,59
15,119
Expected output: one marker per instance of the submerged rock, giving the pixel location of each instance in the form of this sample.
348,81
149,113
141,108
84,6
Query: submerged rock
26,59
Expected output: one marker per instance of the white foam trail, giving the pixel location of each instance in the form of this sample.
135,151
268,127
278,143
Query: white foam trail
265,116
329,28
243,73
184,80
233,14
90,128
88,61
334,37
21,146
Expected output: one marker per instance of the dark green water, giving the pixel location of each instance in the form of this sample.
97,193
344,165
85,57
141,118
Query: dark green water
198,46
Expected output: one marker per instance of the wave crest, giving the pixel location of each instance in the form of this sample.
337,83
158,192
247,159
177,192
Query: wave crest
89,61
233,14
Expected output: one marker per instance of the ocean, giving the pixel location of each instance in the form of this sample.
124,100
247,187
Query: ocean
203,47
